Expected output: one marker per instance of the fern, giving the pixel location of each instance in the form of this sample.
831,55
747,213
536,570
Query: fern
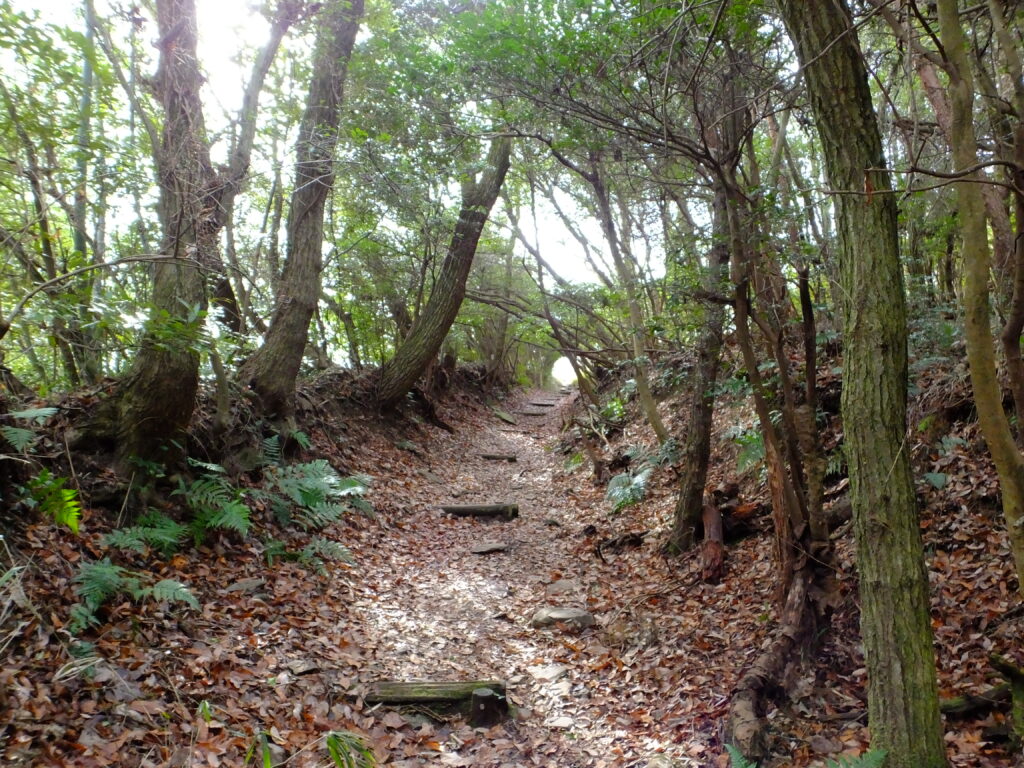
96,583
320,549
319,515
626,489
172,591
870,759
154,530
347,750
215,504
48,494
272,450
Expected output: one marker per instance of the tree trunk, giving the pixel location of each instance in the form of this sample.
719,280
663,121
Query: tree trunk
697,447
903,695
274,368
157,397
420,347
977,312
627,278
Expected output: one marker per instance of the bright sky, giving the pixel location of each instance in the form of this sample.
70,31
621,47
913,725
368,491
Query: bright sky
229,26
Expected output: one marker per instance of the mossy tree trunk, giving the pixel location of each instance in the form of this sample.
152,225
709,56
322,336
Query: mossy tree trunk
976,260
274,368
421,345
157,397
903,696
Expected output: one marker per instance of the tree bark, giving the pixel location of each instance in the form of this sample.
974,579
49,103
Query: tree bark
157,397
420,347
995,426
274,368
697,445
903,695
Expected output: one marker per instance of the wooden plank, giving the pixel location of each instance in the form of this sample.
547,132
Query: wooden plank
426,692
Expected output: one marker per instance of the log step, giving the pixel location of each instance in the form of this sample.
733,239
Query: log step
427,692
499,457
506,511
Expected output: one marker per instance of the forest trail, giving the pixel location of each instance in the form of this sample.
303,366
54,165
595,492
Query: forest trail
647,686
433,610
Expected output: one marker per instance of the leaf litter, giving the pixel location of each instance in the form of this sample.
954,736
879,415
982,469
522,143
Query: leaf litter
285,652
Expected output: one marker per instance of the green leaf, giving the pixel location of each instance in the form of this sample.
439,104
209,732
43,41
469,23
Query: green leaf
38,415
174,592
936,480
21,439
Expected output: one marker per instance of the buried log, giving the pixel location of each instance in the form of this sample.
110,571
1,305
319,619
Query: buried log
543,405
506,511
429,692
509,457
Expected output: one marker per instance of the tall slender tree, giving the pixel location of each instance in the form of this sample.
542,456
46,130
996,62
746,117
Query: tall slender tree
273,370
903,695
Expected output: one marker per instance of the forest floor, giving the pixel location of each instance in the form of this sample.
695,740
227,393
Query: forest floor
278,656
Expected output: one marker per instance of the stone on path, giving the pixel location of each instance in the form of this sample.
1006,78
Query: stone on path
561,587
549,673
550,615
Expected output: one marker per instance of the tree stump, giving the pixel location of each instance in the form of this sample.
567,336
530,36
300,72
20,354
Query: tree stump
487,708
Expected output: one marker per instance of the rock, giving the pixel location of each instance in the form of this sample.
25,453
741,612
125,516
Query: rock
549,615
302,667
561,586
560,722
246,585
549,673
661,761
489,547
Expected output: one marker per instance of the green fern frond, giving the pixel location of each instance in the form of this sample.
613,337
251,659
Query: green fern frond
627,489
173,591
329,550
81,618
21,439
38,415
126,538
232,515
271,447
319,515
49,495
737,758
208,466
348,750
871,759
97,582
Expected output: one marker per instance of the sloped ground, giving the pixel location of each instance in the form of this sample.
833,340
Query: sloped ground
288,653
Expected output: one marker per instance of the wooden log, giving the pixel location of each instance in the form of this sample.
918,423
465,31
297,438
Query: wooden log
487,708
428,692
973,705
713,552
544,405
531,413
507,511
499,457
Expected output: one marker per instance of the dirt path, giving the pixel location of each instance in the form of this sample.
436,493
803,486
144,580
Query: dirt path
432,610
